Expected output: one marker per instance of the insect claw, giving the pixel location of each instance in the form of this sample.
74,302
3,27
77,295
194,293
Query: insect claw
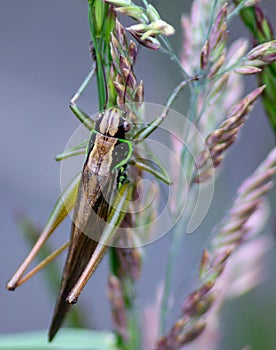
11,287
71,300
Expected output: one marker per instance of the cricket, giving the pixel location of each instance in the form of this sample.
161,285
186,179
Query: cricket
101,194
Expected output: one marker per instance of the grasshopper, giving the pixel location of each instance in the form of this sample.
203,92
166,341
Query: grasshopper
104,180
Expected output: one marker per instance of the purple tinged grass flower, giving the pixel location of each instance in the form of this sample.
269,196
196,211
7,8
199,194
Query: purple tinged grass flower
216,66
217,90
195,36
245,105
129,263
218,28
134,12
247,70
132,52
221,275
119,313
199,301
217,40
260,56
261,28
177,338
224,89
121,35
149,23
150,42
258,51
124,80
222,138
139,93
246,270
204,55
236,51
144,31
159,27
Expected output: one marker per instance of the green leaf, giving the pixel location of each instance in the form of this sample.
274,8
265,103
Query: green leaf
259,26
67,339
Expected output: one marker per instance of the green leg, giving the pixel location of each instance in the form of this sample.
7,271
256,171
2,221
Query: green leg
63,206
69,154
79,148
80,114
153,168
143,133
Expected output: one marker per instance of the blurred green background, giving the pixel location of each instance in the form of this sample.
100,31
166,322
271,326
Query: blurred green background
44,57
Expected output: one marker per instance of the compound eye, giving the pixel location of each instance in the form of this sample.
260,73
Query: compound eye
127,126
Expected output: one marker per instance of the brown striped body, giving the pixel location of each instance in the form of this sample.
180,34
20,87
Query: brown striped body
91,209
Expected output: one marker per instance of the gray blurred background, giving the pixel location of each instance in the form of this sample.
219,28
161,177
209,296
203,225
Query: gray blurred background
44,57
